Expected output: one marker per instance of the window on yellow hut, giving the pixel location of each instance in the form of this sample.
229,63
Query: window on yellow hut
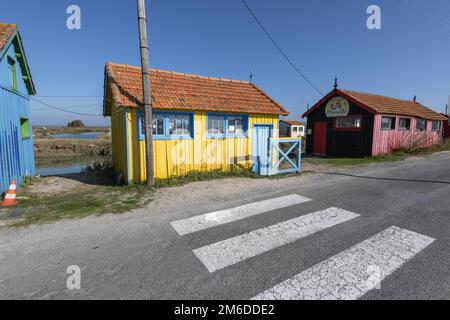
158,125
167,126
236,125
226,126
216,125
179,125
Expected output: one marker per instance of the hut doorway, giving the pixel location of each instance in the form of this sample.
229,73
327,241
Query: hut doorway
260,153
320,138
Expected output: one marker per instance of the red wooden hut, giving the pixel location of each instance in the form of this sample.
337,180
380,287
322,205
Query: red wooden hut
353,124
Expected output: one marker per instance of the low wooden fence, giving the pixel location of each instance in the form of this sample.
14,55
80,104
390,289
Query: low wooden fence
284,156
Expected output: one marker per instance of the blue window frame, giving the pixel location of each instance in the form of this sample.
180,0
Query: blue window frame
168,125
226,126
141,125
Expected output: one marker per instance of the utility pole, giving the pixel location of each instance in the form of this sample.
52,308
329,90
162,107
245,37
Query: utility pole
146,90
447,111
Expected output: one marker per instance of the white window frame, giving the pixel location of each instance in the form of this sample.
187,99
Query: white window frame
438,128
417,125
393,121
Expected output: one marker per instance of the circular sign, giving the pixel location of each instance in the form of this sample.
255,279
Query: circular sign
337,107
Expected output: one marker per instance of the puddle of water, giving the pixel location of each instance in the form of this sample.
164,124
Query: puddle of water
83,136
53,171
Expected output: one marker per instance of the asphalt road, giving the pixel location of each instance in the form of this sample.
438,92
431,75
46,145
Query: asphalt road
291,248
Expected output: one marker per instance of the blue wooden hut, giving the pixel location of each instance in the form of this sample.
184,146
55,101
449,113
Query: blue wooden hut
16,86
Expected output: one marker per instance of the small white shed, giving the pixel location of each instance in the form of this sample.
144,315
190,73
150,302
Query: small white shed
292,128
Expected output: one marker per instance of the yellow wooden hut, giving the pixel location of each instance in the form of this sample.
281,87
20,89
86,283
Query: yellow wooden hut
199,123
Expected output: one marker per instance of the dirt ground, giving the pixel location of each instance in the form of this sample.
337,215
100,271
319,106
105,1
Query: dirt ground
57,185
76,182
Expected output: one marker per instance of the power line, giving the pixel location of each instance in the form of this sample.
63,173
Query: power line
424,15
281,50
433,16
52,106
73,107
64,110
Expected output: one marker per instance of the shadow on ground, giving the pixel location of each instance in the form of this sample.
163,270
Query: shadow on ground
379,178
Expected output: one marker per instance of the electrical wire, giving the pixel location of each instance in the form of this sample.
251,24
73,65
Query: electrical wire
426,16
64,110
71,107
434,17
297,69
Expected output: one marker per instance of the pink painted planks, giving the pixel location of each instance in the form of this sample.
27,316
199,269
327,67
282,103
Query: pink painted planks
385,141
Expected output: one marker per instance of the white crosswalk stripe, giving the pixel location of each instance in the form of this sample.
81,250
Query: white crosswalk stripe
228,252
353,272
213,219
346,276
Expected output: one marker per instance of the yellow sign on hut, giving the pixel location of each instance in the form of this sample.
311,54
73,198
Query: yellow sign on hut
337,107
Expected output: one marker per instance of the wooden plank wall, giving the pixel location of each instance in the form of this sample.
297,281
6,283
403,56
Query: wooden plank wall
16,153
178,157
343,143
386,141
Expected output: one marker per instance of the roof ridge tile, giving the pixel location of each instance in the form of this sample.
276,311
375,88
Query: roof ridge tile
179,73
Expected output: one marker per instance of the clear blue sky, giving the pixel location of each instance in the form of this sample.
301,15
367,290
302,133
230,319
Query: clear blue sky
409,56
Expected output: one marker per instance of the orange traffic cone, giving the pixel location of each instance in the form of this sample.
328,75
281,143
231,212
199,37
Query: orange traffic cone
10,197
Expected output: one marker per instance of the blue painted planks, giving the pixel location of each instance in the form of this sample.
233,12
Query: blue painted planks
16,154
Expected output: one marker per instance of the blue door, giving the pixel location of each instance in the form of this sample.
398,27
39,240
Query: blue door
260,149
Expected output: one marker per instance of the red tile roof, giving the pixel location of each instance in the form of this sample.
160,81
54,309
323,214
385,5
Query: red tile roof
293,122
173,90
384,105
6,31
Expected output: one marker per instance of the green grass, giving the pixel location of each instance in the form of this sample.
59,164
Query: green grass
35,208
194,176
445,146
95,200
